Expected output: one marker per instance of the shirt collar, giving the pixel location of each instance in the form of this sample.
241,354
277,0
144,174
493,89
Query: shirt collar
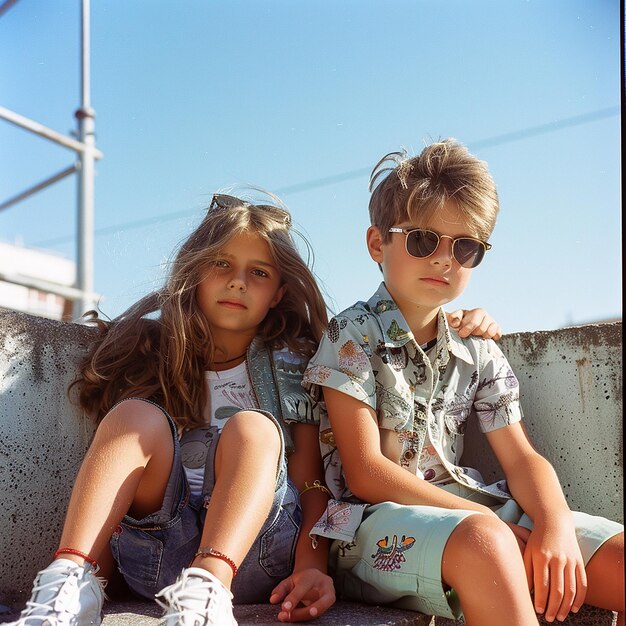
396,332
448,341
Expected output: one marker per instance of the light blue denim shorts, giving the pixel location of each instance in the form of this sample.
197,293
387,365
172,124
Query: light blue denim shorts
151,552
396,554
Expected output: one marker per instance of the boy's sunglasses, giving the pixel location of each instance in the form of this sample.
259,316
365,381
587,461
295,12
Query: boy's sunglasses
224,201
421,243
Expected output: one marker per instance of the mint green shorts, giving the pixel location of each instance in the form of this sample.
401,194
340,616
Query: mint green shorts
396,554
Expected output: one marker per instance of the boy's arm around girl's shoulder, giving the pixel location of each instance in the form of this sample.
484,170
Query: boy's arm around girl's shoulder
474,322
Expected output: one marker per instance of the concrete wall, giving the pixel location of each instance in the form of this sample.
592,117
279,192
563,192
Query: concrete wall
571,394
571,381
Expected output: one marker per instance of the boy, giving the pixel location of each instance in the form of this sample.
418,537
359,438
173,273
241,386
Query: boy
412,526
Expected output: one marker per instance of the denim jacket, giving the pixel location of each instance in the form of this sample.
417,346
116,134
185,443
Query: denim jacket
276,378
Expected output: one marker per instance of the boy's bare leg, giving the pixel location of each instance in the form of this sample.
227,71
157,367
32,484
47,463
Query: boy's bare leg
605,577
482,563
127,467
246,462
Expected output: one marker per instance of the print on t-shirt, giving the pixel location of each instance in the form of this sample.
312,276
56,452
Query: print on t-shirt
229,392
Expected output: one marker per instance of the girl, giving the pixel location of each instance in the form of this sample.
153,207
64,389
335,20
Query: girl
200,406
197,387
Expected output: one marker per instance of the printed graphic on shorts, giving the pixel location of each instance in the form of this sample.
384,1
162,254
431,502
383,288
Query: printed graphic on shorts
194,445
389,557
343,547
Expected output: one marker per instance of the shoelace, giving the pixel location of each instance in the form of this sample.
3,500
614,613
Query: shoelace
31,606
178,595
29,619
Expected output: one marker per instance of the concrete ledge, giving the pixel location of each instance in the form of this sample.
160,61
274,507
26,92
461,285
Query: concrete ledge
341,614
138,613
265,615
571,383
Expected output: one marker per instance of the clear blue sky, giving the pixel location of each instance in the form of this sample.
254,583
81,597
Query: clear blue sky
302,99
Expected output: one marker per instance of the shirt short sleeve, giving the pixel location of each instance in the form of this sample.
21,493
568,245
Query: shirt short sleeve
496,401
342,362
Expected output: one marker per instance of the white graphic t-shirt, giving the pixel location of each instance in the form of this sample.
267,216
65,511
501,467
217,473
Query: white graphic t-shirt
229,391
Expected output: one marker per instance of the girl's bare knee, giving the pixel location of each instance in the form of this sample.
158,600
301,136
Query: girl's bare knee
138,419
251,428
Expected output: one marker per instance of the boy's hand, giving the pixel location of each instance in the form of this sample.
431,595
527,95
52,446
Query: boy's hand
475,322
521,534
556,571
304,595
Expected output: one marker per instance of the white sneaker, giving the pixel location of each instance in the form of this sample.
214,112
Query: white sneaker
197,598
64,594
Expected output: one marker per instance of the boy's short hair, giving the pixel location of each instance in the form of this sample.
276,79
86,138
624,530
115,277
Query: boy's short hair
413,189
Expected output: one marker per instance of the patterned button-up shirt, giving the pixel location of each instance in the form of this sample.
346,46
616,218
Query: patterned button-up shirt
369,353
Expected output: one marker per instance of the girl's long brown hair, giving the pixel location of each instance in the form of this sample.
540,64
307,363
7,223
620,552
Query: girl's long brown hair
159,348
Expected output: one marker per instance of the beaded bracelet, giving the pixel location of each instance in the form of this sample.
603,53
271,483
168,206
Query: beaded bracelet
316,485
206,551
75,552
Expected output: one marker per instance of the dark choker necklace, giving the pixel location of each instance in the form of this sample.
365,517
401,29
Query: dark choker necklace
228,360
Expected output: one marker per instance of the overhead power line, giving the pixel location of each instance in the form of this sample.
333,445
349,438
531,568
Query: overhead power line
6,5
316,183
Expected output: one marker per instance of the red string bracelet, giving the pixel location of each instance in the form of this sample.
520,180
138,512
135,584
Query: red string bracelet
75,552
205,551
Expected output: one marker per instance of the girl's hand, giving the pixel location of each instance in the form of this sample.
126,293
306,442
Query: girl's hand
475,322
556,571
304,595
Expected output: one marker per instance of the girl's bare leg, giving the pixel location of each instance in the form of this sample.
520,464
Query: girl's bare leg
605,577
483,564
126,468
246,463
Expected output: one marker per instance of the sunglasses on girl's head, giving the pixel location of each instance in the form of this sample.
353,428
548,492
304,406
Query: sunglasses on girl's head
224,201
421,243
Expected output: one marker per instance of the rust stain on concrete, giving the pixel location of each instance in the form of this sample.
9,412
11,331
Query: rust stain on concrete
582,378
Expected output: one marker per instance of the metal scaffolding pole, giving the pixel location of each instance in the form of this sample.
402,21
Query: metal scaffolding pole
82,293
86,174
